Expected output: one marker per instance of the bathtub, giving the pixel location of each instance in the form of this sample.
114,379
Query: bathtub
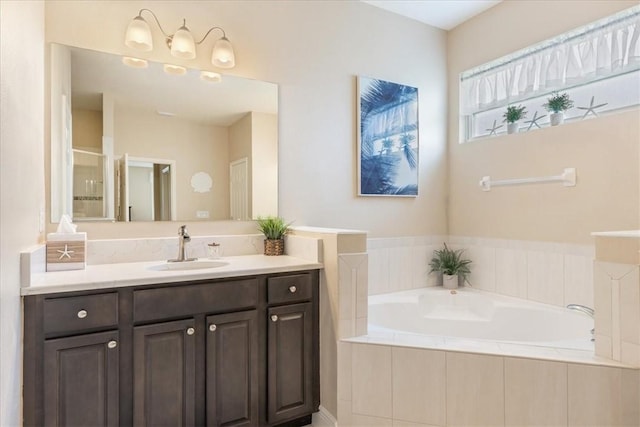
472,316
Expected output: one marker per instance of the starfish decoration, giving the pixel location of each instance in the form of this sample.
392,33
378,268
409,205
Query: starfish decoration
494,128
66,253
591,108
534,120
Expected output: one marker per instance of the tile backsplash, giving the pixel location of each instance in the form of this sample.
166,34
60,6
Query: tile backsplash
109,251
550,273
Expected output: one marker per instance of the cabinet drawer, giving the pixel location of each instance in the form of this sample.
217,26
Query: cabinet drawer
291,288
188,300
72,314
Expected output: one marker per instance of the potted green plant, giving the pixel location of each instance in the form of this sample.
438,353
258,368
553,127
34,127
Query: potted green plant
274,229
557,104
513,115
451,265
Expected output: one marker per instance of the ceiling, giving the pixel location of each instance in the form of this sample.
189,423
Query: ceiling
187,96
444,14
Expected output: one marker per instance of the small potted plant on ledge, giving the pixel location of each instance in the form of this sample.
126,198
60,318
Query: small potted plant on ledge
557,104
512,116
450,264
274,230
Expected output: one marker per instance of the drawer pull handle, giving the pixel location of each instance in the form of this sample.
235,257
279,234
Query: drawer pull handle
191,331
292,289
112,344
213,327
82,314
274,318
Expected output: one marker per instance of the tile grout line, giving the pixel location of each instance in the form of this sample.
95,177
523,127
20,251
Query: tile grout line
567,377
504,391
446,387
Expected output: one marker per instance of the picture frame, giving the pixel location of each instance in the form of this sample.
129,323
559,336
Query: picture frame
388,138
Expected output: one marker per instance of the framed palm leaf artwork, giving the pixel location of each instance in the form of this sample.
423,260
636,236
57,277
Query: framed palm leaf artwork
387,138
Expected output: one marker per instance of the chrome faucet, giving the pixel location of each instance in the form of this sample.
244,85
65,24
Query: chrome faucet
582,308
183,237
586,310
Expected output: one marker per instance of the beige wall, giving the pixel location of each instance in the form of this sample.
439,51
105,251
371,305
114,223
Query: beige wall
87,130
240,147
313,50
604,151
264,159
193,146
21,179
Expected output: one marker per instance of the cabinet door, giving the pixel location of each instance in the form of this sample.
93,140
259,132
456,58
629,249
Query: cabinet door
81,380
290,364
164,374
232,369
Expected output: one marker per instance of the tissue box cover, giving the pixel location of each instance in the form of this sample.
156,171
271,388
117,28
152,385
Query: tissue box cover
66,251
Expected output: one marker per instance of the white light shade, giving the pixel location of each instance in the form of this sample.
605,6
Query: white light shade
222,55
139,35
210,76
135,62
182,44
174,70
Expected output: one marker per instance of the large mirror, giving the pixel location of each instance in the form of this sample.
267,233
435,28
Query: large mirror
143,141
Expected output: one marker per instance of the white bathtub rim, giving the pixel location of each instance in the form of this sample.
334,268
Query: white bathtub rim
503,350
574,339
381,336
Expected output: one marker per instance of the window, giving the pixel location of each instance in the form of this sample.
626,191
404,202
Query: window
598,65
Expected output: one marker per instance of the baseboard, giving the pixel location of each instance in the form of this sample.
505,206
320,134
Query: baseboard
323,418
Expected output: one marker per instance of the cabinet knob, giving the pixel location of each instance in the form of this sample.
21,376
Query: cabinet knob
112,344
82,314
274,318
292,289
213,327
191,331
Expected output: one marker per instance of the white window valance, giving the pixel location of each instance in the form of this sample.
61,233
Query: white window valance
602,49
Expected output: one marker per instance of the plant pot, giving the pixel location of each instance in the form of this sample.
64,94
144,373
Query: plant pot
512,127
452,282
557,118
273,247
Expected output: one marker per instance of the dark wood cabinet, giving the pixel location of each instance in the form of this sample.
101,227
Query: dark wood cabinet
224,352
164,374
81,380
290,362
232,369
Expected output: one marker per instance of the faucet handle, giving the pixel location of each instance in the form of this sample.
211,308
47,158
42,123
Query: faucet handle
184,234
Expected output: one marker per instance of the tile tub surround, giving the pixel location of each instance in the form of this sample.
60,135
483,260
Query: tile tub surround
382,385
617,296
401,263
551,273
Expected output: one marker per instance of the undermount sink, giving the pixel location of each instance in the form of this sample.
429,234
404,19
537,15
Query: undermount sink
188,265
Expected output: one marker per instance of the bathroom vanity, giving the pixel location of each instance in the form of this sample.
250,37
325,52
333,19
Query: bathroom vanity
229,348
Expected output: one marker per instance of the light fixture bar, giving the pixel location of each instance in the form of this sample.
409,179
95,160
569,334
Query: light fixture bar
182,43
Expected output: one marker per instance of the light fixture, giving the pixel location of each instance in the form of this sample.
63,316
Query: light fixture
210,76
181,43
175,70
135,62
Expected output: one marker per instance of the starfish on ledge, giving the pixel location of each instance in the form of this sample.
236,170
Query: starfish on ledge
591,108
494,128
534,121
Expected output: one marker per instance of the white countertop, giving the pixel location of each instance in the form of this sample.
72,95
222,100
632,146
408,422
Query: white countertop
105,276
624,233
